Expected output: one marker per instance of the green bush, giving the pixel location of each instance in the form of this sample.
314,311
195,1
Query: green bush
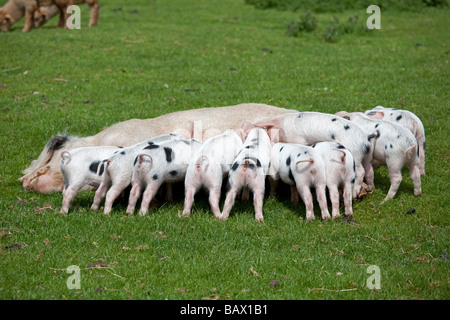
335,28
341,5
307,23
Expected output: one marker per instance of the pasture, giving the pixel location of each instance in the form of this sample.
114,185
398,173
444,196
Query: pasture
146,58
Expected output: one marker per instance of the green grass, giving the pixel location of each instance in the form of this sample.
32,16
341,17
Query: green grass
177,55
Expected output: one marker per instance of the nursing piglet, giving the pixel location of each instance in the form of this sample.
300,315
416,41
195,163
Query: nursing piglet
394,146
339,172
249,170
119,170
81,167
407,119
301,167
210,164
310,127
166,163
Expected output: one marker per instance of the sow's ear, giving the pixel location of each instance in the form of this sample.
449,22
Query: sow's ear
377,115
246,126
241,133
56,143
274,135
272,128
267,124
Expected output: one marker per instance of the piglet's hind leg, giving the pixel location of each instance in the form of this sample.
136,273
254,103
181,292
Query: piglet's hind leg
147,197
188,201
229,202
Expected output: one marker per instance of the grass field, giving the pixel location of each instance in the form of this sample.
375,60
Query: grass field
147,58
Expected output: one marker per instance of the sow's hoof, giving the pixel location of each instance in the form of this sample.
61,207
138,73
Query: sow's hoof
365,190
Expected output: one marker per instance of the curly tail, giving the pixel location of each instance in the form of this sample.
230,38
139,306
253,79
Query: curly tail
343,155
65,157
102,167
202,163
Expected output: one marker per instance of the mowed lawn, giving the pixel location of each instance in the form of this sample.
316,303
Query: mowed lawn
147,58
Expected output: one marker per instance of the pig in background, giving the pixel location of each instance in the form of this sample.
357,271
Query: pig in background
209,166
44,174
43,14
14,10
395,146
407,119
64,4
249,171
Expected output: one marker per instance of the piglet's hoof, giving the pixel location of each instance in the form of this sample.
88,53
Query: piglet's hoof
362,193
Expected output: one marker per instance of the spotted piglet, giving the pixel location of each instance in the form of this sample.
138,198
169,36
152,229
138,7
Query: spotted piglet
394,146
310,127
210,164
340,172
407,119
249,170
166,164
119,170
301,167
81,167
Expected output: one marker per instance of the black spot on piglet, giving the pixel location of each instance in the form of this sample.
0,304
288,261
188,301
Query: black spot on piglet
94,166
169,154
366,148
151,146
398,118
291,176
288,161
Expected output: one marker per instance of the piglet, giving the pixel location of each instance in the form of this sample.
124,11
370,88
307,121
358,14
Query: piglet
310,127
119,170
249,170
407,119
339,172
81,167
301,167
167,163
209,165
394,146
